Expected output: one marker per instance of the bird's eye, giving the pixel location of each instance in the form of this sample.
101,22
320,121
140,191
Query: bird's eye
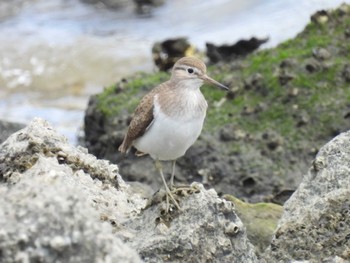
190,70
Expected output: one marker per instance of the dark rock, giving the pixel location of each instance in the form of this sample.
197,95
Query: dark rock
256,82
288,63
302,118
320,17
166,53
145,7
229,52
281,197
7,128
285,77
112,4
231,94
312,65
272,140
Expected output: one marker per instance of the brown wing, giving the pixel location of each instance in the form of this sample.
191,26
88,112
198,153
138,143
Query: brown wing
142,119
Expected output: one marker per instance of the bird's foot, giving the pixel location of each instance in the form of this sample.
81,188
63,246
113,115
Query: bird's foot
170,197
184,190
169,201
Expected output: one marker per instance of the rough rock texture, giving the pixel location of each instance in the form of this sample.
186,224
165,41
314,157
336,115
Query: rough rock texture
207,230
258,139
45,219
260,220
61,204
53,196
315,224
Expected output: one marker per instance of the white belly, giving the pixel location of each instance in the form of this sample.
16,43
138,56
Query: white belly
168,138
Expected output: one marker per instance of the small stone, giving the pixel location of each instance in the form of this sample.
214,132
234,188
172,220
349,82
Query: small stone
312,65
321,53
287,63
231,229
319,163
231,94
293,92
59,243
285,77
320,17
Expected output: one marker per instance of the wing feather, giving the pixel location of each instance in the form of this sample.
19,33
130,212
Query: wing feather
142,119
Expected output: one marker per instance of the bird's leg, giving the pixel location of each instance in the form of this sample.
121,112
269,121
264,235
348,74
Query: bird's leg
160,169
173,187
172,174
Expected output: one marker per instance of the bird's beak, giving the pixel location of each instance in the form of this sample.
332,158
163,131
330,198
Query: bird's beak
209,80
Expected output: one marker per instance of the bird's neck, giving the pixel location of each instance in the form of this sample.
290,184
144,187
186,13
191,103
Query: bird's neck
188,84
182,99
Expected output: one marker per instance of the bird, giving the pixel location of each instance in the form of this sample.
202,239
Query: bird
169,119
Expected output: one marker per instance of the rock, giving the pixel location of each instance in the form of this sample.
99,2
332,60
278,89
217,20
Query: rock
260,220
144,7
257,83
312,65
111,4
229,52
207,230
284,77
272,140
315,225
320,17
321,54
166,53
229,133
288,63
45,217
7,128
61,204
53,196
284,72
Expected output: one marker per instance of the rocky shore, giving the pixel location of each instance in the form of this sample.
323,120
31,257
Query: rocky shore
61,204
281,133
260,137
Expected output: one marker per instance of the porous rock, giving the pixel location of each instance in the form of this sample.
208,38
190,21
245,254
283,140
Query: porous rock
54,197
61,204
45,219
315,224
206,230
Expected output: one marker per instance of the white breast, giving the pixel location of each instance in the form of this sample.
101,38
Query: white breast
169,137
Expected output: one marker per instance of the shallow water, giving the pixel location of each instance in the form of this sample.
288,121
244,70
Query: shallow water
54,54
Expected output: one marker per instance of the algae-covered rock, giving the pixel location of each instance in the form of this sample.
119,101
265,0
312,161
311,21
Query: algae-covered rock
260,220
284,104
